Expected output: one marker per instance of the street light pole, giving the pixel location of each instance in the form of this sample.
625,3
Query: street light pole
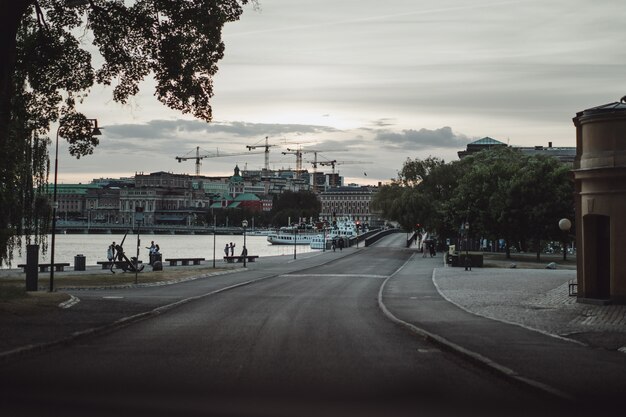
468,261
95,132
245,251
54,210
214,230
565,225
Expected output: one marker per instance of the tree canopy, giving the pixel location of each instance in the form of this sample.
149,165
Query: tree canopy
45,73
502,193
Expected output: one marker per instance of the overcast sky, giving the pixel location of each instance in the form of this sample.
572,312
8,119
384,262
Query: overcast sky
377,82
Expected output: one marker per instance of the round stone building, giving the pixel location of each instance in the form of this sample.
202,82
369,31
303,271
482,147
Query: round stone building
600,178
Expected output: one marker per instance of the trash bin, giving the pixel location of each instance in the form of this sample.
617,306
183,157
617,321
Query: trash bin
155,257
79,262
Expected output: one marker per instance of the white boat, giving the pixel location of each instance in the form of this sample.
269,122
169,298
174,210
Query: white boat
343,229
287,235
318,242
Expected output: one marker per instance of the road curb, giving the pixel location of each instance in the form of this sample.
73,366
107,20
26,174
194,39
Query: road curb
467,354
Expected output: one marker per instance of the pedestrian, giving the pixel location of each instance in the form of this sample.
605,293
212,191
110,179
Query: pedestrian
111,252
226,249
341,244
151,250
232,249
424,248
334,245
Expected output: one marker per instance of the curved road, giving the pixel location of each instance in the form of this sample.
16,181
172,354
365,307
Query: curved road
303,341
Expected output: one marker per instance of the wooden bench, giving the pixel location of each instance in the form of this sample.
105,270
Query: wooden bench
118,264
44,267
231,259
184,261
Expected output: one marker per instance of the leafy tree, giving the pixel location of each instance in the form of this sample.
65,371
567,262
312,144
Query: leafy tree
543,191
483,197
501,192
45,73
406,200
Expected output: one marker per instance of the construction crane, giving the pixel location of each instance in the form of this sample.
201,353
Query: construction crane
334,162
298,154
199,157
267,147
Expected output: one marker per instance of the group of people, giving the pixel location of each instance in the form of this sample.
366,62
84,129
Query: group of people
229,249
428,248
338,242
153,251
116,251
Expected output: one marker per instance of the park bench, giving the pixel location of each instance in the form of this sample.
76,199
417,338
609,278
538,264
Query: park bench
231,259
118,264
184,261
44,267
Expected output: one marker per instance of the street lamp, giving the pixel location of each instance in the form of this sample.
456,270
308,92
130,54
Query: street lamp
468,262
214,231
565,225
245,251
55,204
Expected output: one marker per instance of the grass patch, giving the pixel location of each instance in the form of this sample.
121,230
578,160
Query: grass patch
106,278
30,302
12,292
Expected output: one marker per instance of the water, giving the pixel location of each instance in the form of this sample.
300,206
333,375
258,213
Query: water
94,247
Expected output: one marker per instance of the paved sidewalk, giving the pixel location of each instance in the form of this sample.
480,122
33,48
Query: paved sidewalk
535,298
581,375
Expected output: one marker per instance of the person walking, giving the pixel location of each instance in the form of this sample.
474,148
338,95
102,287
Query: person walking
341,244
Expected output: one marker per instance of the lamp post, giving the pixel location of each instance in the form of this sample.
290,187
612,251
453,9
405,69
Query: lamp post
295,239
468,261
55,204
214,230
565,225
245,251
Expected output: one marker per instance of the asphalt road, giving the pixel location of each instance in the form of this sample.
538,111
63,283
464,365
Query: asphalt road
299,340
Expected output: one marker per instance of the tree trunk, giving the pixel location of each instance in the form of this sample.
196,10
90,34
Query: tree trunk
10,18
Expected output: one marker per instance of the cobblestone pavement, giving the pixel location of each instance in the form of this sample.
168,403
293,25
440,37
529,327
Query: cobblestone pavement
535,298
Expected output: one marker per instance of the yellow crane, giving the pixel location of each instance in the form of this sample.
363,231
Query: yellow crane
334,162
267,147
198,157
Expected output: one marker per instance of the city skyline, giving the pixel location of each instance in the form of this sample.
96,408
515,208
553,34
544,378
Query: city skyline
374,82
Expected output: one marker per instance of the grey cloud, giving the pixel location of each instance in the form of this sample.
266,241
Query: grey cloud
438,138
156,129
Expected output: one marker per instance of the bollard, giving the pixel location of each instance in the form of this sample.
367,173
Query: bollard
32,267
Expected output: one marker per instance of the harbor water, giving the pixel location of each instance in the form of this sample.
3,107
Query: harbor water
94,247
